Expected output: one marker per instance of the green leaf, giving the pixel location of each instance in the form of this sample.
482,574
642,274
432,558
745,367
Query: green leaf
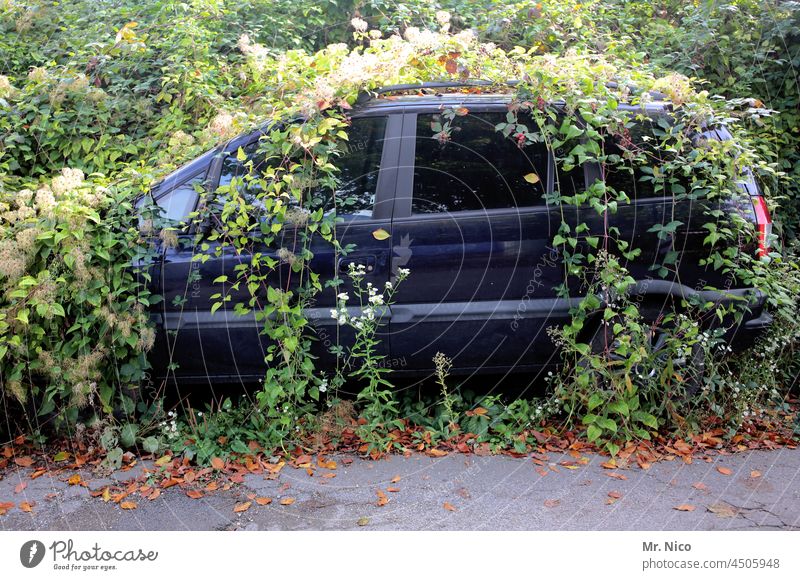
619,407
593,432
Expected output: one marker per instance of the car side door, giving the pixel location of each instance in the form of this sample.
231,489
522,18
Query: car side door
472,225
226,345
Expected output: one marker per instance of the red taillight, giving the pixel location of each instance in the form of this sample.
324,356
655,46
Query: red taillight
764,224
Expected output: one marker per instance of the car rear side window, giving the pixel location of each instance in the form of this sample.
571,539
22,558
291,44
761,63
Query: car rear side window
632,155
358,171
476,168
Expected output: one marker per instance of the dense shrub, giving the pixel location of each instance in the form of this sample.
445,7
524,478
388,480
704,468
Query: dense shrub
122,91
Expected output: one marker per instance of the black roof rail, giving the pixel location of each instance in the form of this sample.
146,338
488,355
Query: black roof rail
432,85
476,83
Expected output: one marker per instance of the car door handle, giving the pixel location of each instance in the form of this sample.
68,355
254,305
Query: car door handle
369,263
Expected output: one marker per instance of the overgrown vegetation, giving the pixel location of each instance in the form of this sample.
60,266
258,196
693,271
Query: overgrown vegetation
96,101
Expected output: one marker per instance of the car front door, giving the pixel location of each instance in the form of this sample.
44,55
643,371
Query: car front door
225,345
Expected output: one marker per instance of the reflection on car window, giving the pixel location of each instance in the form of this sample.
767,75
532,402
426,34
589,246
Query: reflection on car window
477,168
178,203
635,176
358,175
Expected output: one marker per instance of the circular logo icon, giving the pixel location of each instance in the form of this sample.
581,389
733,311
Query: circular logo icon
31,553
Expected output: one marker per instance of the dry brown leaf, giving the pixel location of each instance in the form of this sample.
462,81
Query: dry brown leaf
189,476
27,506
551,503
614,494
242,507
448,506
684,508
194,494
217,463
287,501
20,487
723,510
617,475
263,500
755,473
329,475
75,479
128,505
700,485
24,461
724,470
611,464
154,495
395,479
393,489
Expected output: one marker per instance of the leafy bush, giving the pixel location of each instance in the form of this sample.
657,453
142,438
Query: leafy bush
122,92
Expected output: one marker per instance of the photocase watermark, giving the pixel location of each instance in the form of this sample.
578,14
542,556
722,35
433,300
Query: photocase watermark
549,260
31,553
66,556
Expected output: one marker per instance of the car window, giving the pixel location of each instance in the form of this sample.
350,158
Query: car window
635,177
476,168
358,176
179,202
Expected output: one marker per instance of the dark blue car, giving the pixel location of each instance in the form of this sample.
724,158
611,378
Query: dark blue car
475,234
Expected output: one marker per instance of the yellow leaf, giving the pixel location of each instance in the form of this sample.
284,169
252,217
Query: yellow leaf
532,178
381,234
160,462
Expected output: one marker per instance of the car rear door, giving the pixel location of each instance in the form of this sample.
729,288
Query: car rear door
476,236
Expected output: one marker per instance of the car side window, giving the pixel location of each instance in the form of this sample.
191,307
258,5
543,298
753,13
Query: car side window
476,168
358,171
179,202
635,177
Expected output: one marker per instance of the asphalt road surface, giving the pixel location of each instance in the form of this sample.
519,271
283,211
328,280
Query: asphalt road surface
456,492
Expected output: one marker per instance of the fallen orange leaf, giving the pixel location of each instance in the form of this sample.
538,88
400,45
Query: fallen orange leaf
395,479
75,479
684,508
382,499
217,463
755,473
329,475
552,503
448,506
24,461
242,507
287,501
20,486
128,505
27,506
700,485
724,470
614,494
263,500
194,494
393,489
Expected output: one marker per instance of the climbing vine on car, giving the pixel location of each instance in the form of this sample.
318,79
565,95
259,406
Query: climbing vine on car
619,383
